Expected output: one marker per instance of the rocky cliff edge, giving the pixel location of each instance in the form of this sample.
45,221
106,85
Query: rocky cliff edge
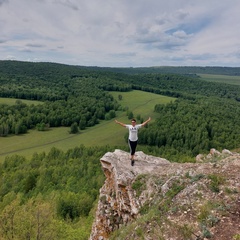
158,199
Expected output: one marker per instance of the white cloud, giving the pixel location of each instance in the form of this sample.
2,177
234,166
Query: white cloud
121,32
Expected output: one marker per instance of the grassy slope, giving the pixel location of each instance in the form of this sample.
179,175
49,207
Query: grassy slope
105,133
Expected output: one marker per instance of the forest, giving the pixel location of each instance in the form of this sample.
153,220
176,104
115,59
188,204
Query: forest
53,195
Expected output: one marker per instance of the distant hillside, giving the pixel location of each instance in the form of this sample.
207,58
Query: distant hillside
185,70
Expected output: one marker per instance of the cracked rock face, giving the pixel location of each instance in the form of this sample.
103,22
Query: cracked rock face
120,203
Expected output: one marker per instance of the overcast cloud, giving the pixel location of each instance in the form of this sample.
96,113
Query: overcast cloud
121,33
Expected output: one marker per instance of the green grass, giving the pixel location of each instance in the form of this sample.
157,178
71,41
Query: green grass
12,101
234,80
105,133
141,102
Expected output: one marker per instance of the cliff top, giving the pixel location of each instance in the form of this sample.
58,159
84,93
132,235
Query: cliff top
158,199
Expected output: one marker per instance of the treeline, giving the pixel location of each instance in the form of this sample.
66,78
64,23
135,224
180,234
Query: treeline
51,196
63,81
182,86
181,70
67,99
83,111
188,128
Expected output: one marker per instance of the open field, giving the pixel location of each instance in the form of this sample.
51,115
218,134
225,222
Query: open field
105,133
12,101
235,80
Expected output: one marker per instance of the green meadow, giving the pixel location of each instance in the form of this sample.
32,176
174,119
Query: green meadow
235,80
12,101
105,133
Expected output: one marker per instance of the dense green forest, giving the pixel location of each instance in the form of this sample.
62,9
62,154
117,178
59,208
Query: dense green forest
52,196
193,127
185,70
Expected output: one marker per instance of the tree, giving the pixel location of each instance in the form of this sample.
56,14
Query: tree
42,126
110,115
130,114
83,122
4,130
20,128
120,97
29,183
7,220
74,128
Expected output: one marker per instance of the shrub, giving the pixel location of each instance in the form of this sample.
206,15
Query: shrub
216,181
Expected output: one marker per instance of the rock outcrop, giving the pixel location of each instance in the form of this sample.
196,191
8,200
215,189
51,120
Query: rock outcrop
188,197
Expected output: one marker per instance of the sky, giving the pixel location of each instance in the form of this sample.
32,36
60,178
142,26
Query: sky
121,33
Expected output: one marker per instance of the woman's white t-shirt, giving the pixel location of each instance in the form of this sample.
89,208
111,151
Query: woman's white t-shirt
133,132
